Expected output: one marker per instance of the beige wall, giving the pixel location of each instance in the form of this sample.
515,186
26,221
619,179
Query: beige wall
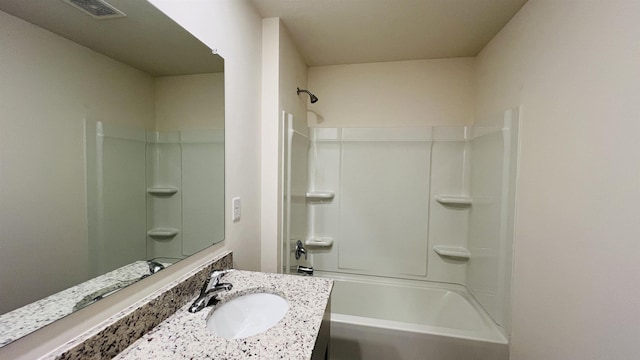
232,27
189,102
270,192
283,70
574,68
48,87
400,93
293,74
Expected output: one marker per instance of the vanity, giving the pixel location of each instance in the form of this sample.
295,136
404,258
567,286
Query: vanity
161,327
300,334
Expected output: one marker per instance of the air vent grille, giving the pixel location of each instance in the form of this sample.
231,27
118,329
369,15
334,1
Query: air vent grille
98,9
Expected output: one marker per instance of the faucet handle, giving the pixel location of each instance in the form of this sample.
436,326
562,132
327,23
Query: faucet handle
300,250
217,275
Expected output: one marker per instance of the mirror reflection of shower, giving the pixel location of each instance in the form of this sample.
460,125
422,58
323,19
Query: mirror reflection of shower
152,194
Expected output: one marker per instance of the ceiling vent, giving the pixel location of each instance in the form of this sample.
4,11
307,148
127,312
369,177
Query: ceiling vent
98,9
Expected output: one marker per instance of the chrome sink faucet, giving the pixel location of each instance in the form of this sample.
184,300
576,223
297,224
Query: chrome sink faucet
154,266
210,289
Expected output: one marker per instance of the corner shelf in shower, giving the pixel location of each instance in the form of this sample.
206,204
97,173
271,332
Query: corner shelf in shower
162,190
454,200
456,252
162,233
320,195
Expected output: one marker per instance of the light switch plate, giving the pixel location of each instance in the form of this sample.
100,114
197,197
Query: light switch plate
235,208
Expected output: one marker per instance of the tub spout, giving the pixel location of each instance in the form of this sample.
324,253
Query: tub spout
305,270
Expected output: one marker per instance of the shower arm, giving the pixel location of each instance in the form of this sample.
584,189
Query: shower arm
302,90
312,97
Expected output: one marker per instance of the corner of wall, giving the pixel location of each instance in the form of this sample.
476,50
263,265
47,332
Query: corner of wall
270,145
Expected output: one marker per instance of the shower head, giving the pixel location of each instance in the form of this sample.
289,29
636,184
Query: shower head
312,97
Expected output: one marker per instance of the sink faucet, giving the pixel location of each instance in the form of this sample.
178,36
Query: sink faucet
210,289
154,266
100,294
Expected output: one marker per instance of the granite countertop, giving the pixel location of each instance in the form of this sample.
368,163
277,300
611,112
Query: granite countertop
31,317
184,335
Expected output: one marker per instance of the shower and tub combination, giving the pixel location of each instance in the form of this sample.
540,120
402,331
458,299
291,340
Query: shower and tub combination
415,226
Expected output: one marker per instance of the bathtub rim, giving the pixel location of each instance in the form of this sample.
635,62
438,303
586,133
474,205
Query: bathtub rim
496,334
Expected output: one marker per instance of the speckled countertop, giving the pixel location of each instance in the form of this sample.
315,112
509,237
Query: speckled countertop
184,335
24,320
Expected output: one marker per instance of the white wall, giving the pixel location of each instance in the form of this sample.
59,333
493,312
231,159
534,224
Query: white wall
283,70
400,93
234,28
573,65
272,214
45,98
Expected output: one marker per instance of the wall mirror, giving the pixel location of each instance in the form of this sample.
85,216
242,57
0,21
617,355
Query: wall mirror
111,153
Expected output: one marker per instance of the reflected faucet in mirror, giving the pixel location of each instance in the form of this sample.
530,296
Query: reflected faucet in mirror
89,299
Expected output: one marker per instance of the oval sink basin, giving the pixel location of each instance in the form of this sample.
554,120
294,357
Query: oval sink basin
247,315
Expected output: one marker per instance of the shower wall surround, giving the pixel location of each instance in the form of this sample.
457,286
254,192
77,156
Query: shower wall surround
421,203
295,180
378,217
493,159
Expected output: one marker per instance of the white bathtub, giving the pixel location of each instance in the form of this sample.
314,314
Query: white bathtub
375,319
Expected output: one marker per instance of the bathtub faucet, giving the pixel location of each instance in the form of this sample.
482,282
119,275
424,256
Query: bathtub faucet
300,250
209,290
305,270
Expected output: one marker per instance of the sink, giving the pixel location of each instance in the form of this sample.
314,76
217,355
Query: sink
247,315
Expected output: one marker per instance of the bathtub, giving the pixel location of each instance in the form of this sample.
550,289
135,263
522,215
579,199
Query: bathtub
391,319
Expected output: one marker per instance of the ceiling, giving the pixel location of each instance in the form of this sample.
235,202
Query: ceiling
329,32
145,39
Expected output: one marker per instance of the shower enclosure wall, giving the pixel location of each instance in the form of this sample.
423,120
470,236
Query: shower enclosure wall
152,195
422,205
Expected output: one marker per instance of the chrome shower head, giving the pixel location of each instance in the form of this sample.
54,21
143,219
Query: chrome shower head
312,97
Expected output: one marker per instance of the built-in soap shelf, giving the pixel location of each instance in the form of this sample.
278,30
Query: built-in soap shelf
454,200
163,233
456,252
162,190
319,242
320,195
